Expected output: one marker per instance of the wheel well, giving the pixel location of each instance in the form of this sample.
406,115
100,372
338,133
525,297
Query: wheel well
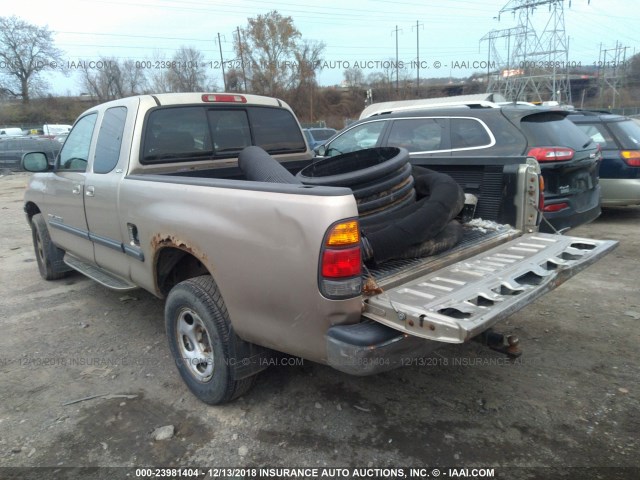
31,209
174,266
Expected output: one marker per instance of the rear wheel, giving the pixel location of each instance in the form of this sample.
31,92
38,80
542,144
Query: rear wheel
200,338
49,257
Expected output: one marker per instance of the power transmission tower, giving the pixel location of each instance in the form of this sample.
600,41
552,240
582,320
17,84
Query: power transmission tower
497,80
536,65
611,71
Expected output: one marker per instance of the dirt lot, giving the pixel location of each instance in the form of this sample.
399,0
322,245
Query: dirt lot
572,400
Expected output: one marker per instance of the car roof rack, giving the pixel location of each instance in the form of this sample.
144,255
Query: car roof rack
478,101
421,104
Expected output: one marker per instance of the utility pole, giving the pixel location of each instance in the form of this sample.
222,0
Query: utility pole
418,25
224,77
244,74
397,77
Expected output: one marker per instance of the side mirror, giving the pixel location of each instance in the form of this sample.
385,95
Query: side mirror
35,162
321,151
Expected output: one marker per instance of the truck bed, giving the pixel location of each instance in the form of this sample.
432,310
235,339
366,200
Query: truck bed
474,240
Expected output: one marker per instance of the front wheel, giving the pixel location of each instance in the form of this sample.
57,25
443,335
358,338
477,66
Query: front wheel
49,257
200,337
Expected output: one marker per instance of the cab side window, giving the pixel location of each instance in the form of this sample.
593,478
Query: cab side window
74,155
109,140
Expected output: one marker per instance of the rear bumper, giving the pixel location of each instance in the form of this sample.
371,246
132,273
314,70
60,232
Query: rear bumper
368,348
620,192
583,208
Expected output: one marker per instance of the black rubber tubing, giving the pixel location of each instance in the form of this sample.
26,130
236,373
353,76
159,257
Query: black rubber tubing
385,198
354,168
447,238
378,185
440,199
388,213
257,165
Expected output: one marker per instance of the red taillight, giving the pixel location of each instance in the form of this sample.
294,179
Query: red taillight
555,207
213,97
551,154
341,263
631,157
540,192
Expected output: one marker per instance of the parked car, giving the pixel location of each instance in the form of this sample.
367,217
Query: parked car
619,139
317,136
569,159
11,132
12,149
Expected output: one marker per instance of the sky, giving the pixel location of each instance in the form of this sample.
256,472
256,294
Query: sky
445,35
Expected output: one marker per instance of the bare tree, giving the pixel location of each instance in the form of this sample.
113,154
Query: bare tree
186,71
308,63
103,79
134,80
26,50
109,79
353,78
159,77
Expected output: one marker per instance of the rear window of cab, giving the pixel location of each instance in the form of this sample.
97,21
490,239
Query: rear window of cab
192,133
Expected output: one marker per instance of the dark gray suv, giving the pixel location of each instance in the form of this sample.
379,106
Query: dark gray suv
12,149
568,158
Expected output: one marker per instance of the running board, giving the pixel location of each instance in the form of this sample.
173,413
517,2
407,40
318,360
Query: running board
98,274
458,302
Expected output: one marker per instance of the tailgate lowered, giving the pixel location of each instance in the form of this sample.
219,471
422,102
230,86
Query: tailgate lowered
458,302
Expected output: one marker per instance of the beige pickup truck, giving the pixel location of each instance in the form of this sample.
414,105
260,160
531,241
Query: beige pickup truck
147,193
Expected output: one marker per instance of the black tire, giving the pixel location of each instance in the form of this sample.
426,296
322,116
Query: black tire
200,338
447,238
388,213
382,184
49,257
396,230
385,199
354,168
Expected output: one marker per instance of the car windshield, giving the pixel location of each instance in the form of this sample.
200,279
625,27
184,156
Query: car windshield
553,129
322,134
628,134
359,137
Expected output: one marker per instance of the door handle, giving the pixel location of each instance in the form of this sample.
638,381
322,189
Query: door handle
91,191
76,189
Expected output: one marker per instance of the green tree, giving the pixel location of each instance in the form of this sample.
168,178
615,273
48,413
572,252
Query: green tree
26,51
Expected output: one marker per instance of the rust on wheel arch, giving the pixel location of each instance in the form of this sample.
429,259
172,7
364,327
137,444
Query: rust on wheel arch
161,241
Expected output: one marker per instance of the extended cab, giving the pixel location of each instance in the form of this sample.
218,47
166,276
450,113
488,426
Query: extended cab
147,192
